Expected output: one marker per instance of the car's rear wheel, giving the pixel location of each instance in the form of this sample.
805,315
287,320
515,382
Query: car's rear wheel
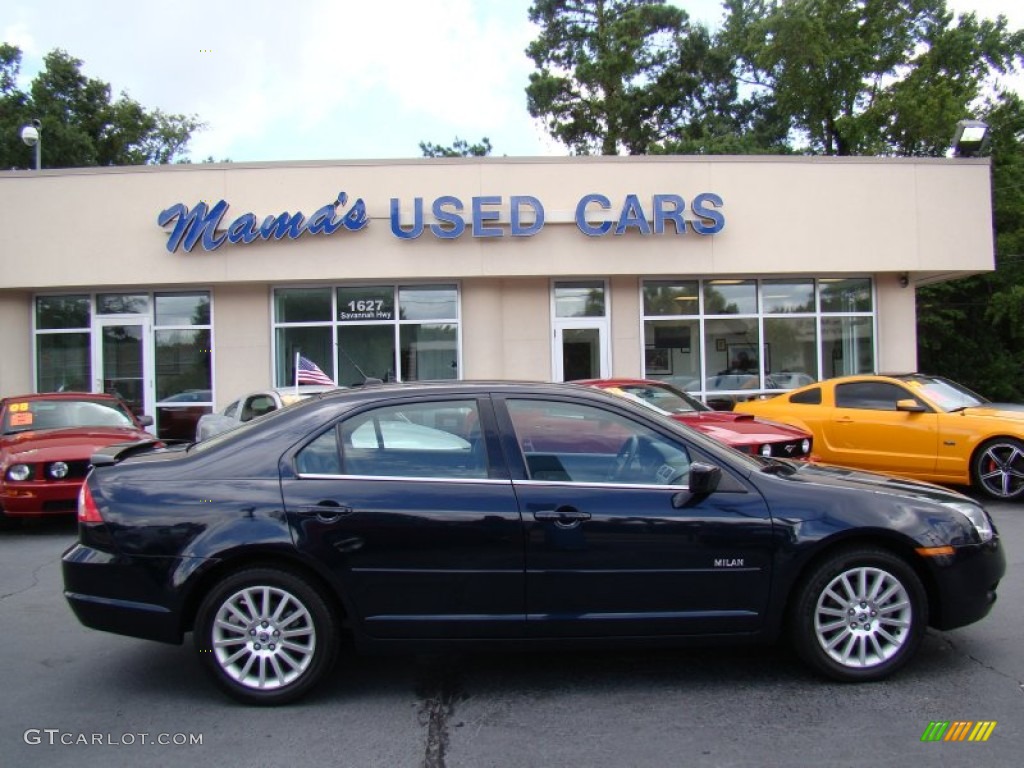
859,615
998,468
267,635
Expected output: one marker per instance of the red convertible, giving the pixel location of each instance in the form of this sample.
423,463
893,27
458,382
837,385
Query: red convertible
738,430
46,441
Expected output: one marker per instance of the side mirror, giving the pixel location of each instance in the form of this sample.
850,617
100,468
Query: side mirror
910,406
703,480
145,420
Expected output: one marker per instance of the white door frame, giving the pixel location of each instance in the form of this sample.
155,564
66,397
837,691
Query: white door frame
148,366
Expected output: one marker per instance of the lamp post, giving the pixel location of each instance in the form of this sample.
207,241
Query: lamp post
32,136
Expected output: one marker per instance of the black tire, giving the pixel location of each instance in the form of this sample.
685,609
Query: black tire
997,469
276,637
859,616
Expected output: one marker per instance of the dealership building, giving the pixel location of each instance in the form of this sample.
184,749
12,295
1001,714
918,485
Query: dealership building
725,275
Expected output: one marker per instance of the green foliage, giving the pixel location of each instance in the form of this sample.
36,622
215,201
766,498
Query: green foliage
459,148
81,126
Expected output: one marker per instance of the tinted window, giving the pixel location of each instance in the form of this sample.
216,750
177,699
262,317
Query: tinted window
320,457
873,395
807,397
570,442
427,440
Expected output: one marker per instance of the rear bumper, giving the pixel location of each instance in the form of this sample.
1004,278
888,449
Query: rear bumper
116,594
967,584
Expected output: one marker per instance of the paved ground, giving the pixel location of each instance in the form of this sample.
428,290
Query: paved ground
709,707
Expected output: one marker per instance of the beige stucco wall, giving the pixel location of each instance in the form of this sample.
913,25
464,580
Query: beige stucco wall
16,344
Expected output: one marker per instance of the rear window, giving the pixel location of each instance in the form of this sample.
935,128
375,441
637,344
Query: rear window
807,397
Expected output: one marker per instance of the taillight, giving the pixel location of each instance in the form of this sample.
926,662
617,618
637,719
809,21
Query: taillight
88,512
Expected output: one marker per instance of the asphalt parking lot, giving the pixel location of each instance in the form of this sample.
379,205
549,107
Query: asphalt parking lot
78,697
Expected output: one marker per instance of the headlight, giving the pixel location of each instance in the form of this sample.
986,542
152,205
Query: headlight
19,472
766,449
805,446
977,517
59,470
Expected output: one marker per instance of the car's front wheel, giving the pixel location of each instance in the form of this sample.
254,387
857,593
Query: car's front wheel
859,615
998,468
267,635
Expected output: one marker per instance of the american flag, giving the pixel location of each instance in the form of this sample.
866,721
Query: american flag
308,372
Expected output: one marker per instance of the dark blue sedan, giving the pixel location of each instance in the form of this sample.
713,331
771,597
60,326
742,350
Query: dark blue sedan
411,517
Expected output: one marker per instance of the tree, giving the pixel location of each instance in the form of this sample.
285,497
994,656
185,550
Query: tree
459,148
636,76
81,126
972,330
886,77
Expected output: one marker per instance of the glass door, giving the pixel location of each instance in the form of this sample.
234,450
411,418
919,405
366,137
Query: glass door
580,348
580,352
122,361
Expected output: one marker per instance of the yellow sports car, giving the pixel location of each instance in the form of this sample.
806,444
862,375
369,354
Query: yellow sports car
918,426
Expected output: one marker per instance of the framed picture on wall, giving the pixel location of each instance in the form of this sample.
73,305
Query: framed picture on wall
657,360
743,358
720,345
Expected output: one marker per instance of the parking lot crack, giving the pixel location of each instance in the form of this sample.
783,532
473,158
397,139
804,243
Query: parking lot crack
439,689
983,664
35,581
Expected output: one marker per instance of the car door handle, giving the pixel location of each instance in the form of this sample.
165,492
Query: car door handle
325,511
563,517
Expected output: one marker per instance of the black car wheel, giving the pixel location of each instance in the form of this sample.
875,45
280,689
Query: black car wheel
859,615
267,635
998,468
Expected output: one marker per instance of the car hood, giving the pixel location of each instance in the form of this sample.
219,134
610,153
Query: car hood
743,428
1013,411
841,477
67,444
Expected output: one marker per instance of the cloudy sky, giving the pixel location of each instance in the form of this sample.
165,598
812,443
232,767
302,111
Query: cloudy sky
316,79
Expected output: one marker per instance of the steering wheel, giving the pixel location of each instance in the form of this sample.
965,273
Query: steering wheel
626,455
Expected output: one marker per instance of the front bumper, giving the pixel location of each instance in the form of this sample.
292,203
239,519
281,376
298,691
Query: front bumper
126,596
966,584
37,499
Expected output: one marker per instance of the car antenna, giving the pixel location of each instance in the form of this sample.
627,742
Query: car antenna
366,379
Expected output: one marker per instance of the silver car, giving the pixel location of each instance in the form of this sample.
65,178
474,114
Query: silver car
252,406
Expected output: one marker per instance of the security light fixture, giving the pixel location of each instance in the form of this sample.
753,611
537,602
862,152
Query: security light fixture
970,139
32,136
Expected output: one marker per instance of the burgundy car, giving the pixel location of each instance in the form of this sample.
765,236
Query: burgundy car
46,441
738,430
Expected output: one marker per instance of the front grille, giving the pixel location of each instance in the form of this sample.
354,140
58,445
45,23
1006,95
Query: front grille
788,450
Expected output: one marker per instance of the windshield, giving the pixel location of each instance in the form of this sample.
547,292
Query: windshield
34,415
664,397
947,395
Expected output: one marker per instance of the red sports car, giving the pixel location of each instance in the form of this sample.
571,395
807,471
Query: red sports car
738,430
46,441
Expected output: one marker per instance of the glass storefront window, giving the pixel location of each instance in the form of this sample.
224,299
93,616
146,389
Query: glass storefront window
302,305
847,346
182,309
790,352
312,342
787,296
672,352
730,297
63,362
366,351
380,331
427,302
754,335
429,351
182,362
584,298
663,297
852,294
373,302
62,312
122,304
